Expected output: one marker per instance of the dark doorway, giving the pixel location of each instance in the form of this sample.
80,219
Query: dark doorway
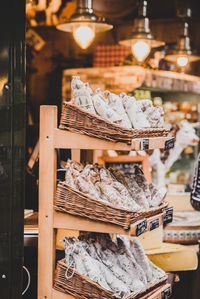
12,146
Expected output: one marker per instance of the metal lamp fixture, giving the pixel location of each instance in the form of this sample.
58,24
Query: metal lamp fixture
84,24
183,54
141,40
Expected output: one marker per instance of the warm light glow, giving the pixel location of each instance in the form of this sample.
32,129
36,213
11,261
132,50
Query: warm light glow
141,50
182,61
83,35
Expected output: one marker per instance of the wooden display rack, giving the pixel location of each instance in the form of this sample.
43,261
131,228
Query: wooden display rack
52,138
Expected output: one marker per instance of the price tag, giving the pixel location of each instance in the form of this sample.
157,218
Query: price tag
168,216
166,293
141,227
169,144
154,224
145,144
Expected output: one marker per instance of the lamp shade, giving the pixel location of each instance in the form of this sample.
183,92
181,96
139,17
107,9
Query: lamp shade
141,31
141,40
84,14
183,49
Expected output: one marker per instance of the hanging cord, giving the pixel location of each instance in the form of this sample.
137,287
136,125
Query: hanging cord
72,248
29,280
72,263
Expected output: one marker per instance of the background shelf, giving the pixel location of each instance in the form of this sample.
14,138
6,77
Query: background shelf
127,78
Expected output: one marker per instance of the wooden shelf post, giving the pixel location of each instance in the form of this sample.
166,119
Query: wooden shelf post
47,185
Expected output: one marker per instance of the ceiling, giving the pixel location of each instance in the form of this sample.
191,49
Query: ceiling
157,9
117,12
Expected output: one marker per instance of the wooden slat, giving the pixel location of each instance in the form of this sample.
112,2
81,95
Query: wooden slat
158,294
67,221
150,239
47,184
60,295
96,155
66,139
76,155
155,295
34,156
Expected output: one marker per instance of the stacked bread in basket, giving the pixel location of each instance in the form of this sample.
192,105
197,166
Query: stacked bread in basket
109,116
100,194
96,266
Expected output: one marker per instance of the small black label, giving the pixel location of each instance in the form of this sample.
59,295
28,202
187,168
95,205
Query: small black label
166,293
169,144
141,227
168,215
154,224
145,144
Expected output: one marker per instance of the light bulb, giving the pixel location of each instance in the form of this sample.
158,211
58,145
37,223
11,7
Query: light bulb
141,50
83,35
182,61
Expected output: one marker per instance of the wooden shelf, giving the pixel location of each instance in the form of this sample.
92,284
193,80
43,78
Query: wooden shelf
159,294
150,239
67,221
66,139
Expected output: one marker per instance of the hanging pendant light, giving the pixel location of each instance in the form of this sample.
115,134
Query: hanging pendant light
183,54
84,24
141,40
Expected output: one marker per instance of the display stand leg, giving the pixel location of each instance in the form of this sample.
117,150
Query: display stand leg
96,155
76,155
47,185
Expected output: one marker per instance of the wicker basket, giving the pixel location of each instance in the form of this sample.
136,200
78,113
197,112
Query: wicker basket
154,211
83,287
78,120
74,202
